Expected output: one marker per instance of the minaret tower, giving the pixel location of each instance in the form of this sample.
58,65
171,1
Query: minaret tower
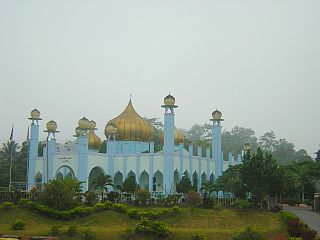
169,105
49,150
83,149
33,147
216,142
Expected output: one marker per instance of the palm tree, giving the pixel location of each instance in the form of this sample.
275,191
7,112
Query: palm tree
5,158
302,173
102,182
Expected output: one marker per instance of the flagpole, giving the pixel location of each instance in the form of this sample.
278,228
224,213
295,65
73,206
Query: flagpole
11,147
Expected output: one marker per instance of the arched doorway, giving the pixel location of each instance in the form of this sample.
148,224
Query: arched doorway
158,181
64,171
93,176
176,177
195,180
212,177
203,178
118,182
144,180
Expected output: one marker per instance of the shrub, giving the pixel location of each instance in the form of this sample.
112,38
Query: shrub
55,230
7,205
108,205
158,229
99,207
72,230
23,202
199,236
142,195
295,228
248,234
18,224
291,201
287,215
150,214
133,213
61,194
309,234
90,198
193,199
118,207
89,234
242,204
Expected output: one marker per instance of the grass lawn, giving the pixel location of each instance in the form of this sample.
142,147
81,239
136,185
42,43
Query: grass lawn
219,224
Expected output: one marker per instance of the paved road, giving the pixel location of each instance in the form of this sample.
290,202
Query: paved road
309,217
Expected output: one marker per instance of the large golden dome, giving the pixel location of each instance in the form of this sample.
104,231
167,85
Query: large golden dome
130,126
178,136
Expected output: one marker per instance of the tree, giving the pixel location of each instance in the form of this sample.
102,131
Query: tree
302,156
261,174
304,173
62,194
102,182
5,159
318,156
231,181
129,185
284,152
268,141
142,195
184,185
236,138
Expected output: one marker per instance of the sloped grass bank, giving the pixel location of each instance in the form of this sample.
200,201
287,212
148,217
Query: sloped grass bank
223,224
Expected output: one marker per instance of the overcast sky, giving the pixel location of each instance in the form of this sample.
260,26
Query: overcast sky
256,61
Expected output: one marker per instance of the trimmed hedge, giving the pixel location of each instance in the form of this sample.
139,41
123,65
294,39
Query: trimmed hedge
153,214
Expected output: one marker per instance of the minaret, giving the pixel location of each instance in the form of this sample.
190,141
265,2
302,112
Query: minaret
49,150
216,142
83,150
169,105
33,147
111,131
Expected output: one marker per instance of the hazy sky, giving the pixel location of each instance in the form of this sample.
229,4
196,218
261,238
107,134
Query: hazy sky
256,61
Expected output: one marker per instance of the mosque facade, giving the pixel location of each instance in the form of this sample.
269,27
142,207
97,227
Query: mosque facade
130,151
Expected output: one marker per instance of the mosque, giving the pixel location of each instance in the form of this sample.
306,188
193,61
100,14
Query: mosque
130,151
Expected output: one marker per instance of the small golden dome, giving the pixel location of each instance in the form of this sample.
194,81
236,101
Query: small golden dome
92,124
216,115
169,100
110,129
78,131
178,136
35,114
84,123
131,126
93,140
51,126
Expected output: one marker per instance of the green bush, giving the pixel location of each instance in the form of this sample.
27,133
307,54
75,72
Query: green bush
23,202
199,236
7,205
99,207
90,198
133,213
242,204
108,205
18,224
31,205
291,201
55,230
118,207
158,229
89,234
72,230
286,216
248,234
